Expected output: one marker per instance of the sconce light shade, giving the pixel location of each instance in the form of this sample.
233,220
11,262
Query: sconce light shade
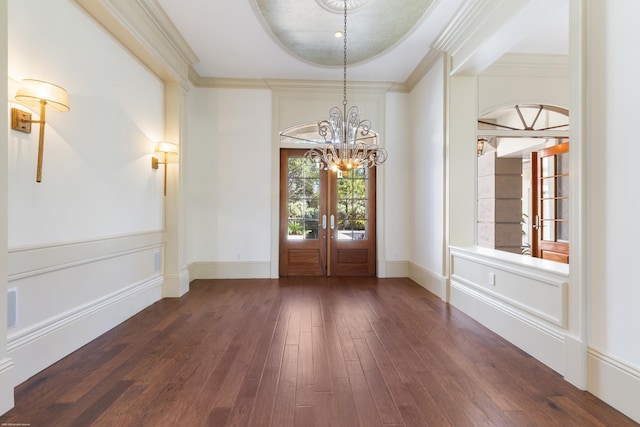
480,143
166,147
36,93
32,92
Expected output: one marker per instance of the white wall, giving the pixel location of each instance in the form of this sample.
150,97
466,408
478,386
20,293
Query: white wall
6,365
427,192
614,287
229,194
397,179
85,243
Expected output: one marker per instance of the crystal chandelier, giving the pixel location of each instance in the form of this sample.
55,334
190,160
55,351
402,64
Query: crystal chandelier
344,133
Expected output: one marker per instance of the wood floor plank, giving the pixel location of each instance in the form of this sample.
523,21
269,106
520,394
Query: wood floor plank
304,351
364,403
285,404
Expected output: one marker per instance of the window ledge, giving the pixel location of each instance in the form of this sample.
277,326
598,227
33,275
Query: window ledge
514,260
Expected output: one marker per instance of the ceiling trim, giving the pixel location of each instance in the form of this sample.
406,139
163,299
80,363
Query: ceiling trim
422,69
484,30
529,65
144,29
231,83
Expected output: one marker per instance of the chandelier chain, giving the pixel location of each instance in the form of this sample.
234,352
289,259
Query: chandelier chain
344,84
345,134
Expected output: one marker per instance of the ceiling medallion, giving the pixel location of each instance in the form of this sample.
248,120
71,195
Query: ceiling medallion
337,6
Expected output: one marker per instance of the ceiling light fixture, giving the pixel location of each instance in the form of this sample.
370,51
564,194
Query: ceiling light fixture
343,133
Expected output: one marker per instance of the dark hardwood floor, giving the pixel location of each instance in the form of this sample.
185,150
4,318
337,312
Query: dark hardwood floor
303,352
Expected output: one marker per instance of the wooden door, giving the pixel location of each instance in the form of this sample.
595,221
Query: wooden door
327,219
352,240
550,189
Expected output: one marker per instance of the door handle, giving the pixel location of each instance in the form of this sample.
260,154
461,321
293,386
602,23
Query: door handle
536,222
333,222
324,222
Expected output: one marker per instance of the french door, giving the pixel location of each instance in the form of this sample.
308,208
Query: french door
327,219
550,189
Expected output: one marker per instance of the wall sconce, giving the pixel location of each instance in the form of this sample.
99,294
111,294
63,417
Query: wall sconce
480,146
34,93
165,148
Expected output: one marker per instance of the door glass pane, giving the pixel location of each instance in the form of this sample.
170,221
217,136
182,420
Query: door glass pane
548,166
303,199
548,209
352,205
562,161
548,231
548,187
563,209
563,231
563,186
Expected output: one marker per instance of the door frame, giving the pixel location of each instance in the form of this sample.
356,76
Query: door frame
331,255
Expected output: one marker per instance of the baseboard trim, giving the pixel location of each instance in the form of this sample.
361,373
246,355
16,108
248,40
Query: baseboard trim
39,346
396,268
544,342
429,280
615,382
6,385
230,270
176,285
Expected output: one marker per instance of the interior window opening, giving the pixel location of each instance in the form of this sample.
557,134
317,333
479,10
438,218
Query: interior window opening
523,181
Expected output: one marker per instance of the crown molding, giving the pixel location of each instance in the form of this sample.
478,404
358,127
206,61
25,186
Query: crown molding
529,65
281,84
143,28
422,69
468,16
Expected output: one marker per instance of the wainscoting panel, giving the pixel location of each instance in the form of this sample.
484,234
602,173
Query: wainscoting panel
525,305
70,293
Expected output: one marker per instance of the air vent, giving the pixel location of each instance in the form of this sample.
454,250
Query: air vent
12,307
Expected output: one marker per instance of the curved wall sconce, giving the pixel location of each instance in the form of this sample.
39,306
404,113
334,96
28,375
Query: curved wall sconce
165,148
34,93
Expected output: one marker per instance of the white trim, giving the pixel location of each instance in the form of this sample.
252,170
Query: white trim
434,283
559,321
6,385
529,65
32,333
176,285
41,345
526,266
144,29
230,270
27,261
543,342
615,382
396,269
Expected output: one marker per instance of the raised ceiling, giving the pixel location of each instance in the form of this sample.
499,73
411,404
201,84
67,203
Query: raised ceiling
294,39
307,29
